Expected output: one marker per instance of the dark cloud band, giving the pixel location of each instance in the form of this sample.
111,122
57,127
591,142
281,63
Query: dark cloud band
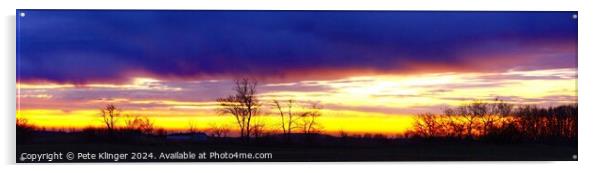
79,46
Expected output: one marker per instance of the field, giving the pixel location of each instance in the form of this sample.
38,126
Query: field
323,149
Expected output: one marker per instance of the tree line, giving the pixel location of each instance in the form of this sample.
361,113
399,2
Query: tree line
498,120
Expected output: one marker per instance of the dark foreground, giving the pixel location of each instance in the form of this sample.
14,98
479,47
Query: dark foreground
277,151
293,154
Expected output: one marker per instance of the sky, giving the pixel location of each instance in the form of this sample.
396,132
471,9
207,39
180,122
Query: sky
370,70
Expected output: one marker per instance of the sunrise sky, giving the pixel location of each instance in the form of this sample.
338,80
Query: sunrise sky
371,71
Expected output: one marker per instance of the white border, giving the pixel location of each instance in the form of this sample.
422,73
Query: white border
520,5
589,88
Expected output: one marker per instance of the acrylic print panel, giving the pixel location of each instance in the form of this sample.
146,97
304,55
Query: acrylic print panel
195,86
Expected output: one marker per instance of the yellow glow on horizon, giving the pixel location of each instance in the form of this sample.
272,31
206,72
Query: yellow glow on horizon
331,122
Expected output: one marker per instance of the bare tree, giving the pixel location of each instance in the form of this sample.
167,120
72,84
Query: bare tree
192,127
429,125
477,109
218,131
287,116
243,105
138,123
495,115
466,117
309,119
110,116
258,128
498,120
146,125
530,120
454,125
545,123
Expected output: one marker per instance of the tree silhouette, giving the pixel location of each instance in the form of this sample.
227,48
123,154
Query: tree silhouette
140,124
496,113
428,125
192,127
309,119
110,116
287,116
500,121
258,128
455,128
468,115
218,131
554,122
243,105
